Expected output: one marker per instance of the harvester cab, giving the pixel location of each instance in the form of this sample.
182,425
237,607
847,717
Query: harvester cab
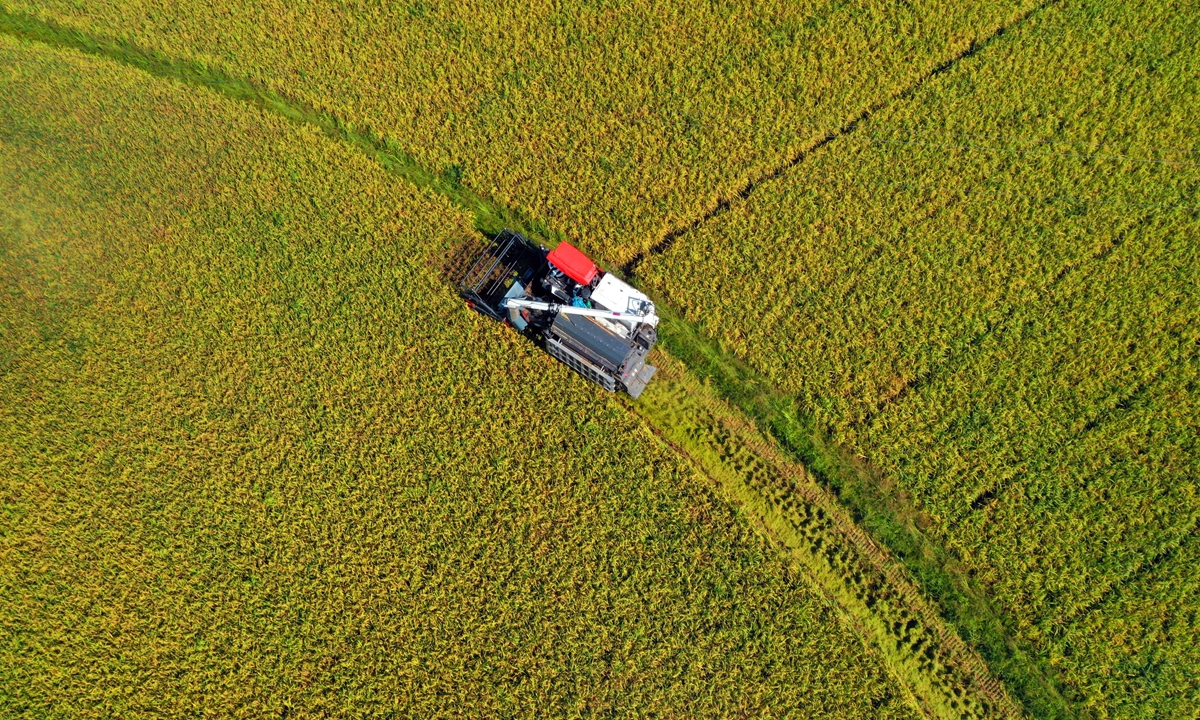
598,325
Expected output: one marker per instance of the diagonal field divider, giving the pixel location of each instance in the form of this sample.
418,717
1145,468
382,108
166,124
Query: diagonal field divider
809,526
715,410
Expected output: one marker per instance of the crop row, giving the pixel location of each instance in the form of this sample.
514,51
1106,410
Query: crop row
1072,437
256,458
988,292
901,245
615,122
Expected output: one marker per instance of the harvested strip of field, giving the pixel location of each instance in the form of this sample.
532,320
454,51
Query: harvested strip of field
614,122
988,293
930,663
258,459
812,530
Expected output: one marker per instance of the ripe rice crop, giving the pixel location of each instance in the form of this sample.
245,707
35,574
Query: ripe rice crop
983,289
987,292
1143,638
257,458
617,122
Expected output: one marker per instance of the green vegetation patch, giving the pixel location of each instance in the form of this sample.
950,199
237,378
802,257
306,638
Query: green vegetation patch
257,458
810,528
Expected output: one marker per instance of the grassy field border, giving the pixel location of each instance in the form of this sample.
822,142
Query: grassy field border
868,499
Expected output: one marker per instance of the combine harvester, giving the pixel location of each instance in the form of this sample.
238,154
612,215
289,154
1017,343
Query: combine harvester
600,326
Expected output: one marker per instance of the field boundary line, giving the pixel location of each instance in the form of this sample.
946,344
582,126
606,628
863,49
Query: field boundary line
881,559
727,201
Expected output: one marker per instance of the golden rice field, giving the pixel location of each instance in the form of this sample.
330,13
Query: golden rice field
988,294
615,121
257,459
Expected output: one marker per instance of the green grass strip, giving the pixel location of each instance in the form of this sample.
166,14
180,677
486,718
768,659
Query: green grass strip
880,510
809,526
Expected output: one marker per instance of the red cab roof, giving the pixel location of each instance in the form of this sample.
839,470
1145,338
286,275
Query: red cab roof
573,263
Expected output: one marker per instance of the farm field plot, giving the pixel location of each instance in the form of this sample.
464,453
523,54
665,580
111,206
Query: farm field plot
988,292
257,458
616,122
1140,639
1073,465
